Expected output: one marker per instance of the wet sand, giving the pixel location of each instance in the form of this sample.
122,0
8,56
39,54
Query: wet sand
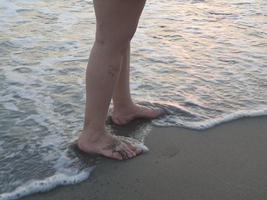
228,161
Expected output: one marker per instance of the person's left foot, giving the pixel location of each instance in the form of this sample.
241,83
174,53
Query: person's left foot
121,116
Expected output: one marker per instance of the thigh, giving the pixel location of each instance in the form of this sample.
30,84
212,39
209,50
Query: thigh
117,19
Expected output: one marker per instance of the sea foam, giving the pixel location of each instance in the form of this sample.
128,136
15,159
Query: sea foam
209,123
47,184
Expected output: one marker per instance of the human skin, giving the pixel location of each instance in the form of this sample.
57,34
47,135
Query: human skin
107,77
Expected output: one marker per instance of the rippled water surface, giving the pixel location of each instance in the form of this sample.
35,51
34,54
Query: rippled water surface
205,62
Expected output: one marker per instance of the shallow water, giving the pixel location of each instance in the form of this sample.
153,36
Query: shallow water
205,62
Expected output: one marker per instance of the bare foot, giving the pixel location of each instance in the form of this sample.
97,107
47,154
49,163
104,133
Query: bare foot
111,146
121,116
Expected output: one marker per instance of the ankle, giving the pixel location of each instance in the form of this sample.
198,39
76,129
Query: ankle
92,134
93,127
118,106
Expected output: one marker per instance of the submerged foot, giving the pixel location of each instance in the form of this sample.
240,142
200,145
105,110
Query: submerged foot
125,115
111,146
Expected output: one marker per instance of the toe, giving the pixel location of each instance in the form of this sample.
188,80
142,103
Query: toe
115,155
126,151
132,144
130,152
136,151
139,151
119,150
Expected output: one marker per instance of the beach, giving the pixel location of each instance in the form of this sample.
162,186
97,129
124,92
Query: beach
203,62
224,162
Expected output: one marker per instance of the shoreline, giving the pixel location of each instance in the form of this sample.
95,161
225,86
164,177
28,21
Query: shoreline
225,162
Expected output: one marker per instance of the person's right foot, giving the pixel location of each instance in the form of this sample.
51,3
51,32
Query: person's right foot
111,146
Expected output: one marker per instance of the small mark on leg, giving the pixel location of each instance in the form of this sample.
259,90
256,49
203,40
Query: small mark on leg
112,70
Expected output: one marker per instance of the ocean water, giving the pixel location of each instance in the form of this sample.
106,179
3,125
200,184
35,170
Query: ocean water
204,62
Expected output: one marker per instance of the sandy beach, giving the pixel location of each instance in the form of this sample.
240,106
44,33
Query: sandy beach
228,161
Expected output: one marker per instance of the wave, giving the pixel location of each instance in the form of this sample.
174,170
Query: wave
209,123
229,117
47,184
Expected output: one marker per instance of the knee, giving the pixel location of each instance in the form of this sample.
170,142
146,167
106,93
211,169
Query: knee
116,40
112,44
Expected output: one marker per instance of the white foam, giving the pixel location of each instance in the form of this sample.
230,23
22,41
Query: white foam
143,147
261,111
46,184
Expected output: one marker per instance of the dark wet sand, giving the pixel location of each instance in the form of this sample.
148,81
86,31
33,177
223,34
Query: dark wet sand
225,162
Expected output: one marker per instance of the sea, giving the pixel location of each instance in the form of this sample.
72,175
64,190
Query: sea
203,61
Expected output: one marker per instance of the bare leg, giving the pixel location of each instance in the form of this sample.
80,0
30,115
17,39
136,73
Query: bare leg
125,110
121,95
116,24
